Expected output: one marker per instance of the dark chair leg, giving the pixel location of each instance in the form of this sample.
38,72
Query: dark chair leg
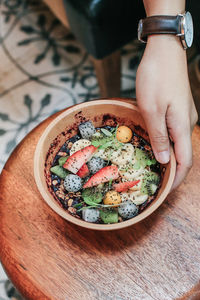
108,71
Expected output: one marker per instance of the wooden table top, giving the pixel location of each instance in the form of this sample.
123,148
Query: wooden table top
48,258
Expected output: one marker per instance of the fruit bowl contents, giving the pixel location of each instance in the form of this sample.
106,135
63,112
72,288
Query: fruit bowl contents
105,175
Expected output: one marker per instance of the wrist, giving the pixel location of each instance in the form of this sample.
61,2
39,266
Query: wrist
165,45
169,40
164,7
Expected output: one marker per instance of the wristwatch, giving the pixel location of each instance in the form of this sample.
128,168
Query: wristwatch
180,25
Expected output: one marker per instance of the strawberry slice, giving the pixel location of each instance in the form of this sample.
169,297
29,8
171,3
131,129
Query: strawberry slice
83,172
79,158
104,175
124,186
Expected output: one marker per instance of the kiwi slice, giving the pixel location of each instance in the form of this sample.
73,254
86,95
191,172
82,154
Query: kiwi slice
143,158
91,196
150,183
102,140
136,165
59,171
109,216
152,188
62,160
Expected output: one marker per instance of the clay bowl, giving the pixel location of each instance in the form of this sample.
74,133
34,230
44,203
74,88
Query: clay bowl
100,112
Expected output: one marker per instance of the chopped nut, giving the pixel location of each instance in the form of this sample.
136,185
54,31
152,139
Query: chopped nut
120,219
147,147
54,182
62,153
69,145
70,201
59,193
72,210
136,138
136,144
62,188
78,194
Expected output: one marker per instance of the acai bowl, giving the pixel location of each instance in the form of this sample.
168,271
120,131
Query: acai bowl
94,166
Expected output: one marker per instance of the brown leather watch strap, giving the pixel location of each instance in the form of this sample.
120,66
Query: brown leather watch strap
160,25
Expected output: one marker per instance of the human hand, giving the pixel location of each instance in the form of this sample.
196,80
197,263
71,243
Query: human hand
165,101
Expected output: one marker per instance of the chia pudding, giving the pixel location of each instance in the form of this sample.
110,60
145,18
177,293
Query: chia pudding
105,175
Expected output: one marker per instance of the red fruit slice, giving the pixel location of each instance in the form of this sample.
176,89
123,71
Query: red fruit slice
79,158
104,175
123,186
83,172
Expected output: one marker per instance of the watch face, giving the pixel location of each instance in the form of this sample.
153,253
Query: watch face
188,29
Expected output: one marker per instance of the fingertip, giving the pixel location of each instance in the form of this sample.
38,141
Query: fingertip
163,157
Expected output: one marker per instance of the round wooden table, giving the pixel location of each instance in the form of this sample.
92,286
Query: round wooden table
49,258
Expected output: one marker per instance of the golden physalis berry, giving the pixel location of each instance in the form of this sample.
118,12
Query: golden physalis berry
124,134
112,197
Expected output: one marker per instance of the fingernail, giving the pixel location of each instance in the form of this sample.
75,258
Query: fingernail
163,157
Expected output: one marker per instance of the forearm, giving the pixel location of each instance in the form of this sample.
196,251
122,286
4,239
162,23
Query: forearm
164,7
163,92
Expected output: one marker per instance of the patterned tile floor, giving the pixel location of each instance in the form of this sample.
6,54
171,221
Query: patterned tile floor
43,70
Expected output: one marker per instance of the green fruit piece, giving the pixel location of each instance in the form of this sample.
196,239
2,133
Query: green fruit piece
109,216
136,165
59,171
97,134
151,162
106,132
143,158
153,187
150,183
91,196
102,141
62,160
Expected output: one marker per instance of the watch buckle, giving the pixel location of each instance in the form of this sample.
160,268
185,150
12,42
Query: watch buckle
140,26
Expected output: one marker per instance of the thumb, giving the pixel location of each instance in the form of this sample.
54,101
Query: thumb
157,130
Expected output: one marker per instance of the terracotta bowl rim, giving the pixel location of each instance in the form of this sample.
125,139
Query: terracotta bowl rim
48,198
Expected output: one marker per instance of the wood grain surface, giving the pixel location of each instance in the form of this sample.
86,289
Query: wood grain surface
48,258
